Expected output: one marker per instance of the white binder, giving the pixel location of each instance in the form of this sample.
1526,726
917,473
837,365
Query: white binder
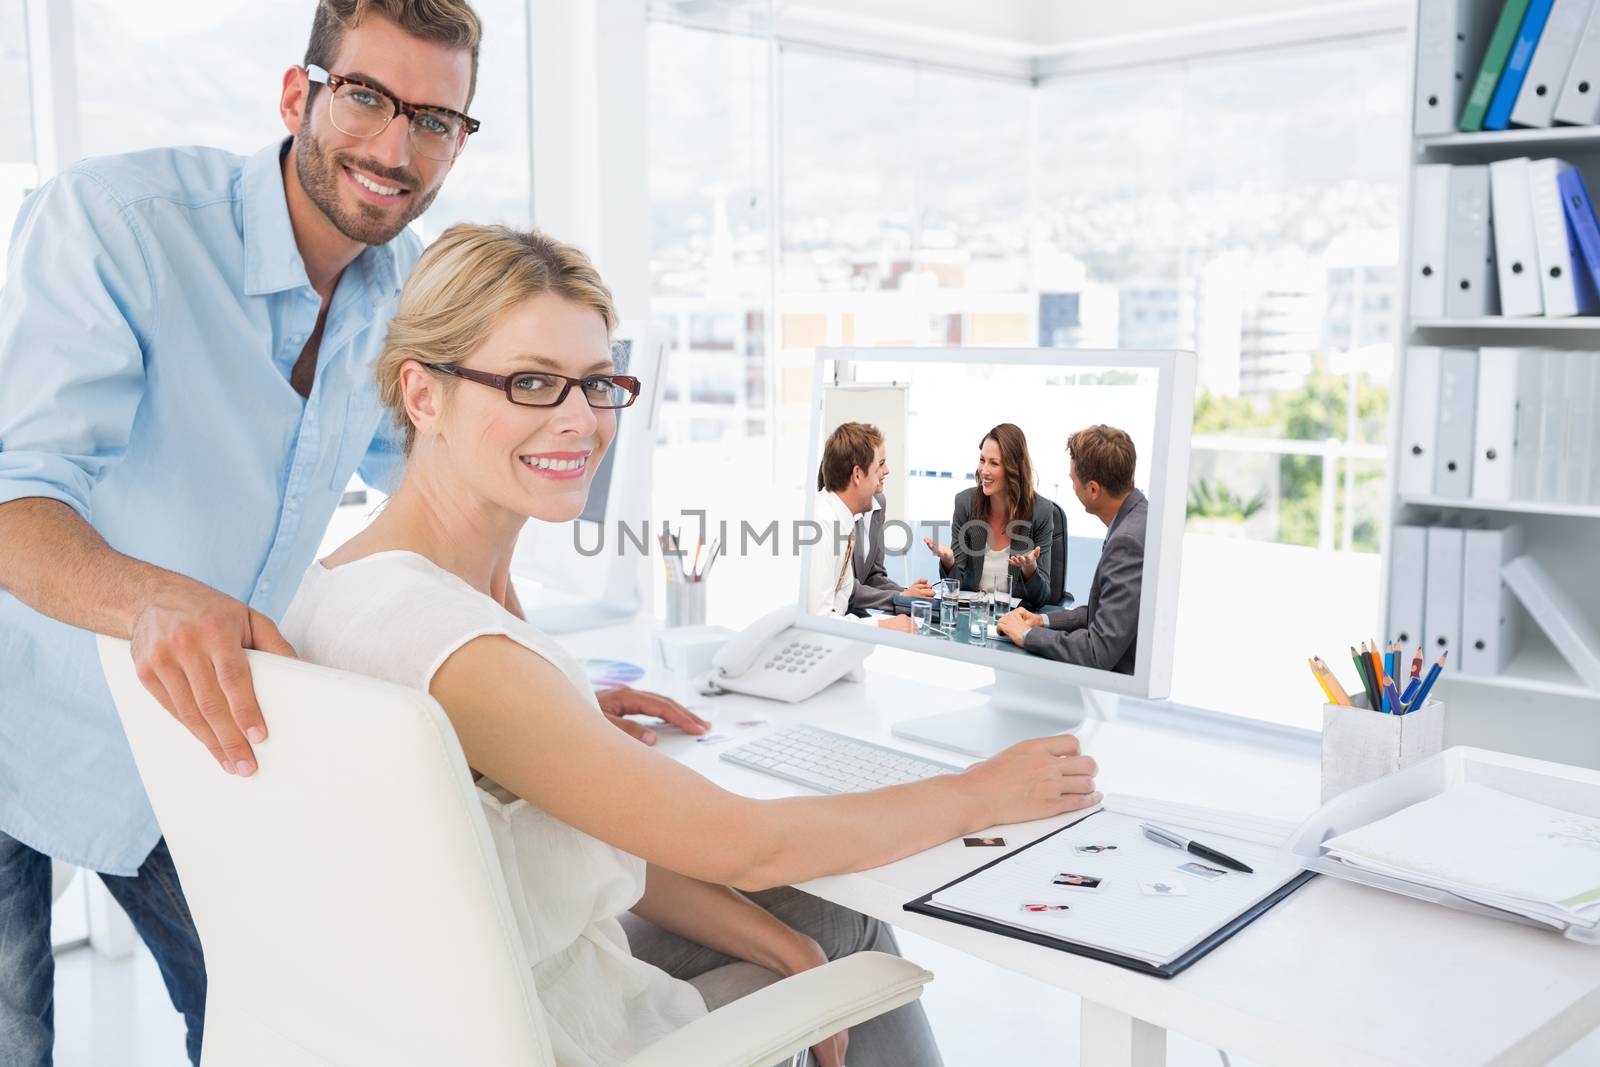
1430,213
1530,403
1495,428
1419,422
1515,250
1489,621
1547,70
1560,267
1470,282
1451,38
1579,387
1579,99
1553,429
1441,600
1408,563
1452,453
1591,494
1554,609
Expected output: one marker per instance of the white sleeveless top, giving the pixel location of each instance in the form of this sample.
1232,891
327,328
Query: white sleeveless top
996,574
398,616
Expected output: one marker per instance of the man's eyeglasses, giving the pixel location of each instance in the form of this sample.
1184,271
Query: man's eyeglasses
361,110
542,389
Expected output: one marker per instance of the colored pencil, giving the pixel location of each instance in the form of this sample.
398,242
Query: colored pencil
1323,682
1427,685
1339,694
1364,675
1416,663
1391,699
1411,690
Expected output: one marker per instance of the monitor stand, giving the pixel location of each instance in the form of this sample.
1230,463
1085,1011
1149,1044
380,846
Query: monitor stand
1020,706
557,611
590,615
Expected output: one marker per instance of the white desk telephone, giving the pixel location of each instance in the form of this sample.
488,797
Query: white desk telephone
778,660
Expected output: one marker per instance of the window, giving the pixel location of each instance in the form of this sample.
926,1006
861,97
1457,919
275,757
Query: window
710,201
17,171
905,205
1246,208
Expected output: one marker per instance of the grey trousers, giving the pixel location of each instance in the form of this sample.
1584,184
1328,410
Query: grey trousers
900,1038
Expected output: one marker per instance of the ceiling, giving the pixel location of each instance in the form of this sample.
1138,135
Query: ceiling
1029,37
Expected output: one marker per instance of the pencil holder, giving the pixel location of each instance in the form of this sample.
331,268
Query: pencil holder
1360,745
686,603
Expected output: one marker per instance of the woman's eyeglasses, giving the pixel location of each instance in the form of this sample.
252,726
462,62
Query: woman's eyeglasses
544,389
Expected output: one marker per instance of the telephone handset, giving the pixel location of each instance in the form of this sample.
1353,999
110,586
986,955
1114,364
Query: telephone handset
778,660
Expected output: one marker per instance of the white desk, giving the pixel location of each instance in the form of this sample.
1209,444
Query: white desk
1337,975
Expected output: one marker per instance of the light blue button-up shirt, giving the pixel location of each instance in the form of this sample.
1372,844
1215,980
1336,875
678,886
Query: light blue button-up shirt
155,306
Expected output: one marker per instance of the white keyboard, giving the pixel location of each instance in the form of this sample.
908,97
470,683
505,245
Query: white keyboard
833,763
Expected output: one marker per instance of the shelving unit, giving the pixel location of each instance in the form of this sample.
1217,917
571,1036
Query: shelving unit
1574,323
1516,507
1497,142
1557,715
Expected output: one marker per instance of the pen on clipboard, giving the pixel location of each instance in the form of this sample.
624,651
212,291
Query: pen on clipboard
1173,839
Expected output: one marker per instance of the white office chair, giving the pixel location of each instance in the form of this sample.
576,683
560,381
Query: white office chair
352,907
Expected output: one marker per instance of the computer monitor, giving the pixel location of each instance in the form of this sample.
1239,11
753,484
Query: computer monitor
575,576
934,408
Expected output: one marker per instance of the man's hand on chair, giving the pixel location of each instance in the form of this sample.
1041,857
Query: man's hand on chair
621,702
188,647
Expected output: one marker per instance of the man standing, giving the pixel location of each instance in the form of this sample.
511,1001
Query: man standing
1102,633
186,337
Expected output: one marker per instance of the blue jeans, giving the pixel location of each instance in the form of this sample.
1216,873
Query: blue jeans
154,902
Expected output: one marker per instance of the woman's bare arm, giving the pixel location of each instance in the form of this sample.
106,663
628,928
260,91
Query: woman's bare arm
521,722
724,921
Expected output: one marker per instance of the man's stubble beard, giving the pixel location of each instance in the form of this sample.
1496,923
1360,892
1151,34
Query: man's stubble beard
319,175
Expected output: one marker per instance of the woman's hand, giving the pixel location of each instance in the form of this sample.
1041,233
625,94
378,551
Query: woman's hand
903,623
1034,779
1028,561
947,558
801,953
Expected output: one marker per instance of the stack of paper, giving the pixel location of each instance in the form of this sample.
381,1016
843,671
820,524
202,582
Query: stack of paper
1490,847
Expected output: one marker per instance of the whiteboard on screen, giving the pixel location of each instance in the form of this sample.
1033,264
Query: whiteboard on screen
883,406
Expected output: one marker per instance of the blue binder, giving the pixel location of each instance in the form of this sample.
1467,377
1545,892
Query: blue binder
1505,94
1580,216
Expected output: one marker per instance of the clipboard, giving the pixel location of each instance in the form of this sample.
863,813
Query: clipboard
924,905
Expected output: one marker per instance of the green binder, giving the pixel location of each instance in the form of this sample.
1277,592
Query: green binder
1494,64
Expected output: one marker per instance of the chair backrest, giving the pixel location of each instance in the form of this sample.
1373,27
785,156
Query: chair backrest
348,896
1058,556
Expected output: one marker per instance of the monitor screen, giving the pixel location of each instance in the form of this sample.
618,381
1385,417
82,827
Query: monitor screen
949,514
594,508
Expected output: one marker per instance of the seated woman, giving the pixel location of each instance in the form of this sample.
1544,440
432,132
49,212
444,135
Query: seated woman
1000,530
498,367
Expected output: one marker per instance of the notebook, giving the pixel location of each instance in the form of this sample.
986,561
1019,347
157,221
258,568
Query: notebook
1128,900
